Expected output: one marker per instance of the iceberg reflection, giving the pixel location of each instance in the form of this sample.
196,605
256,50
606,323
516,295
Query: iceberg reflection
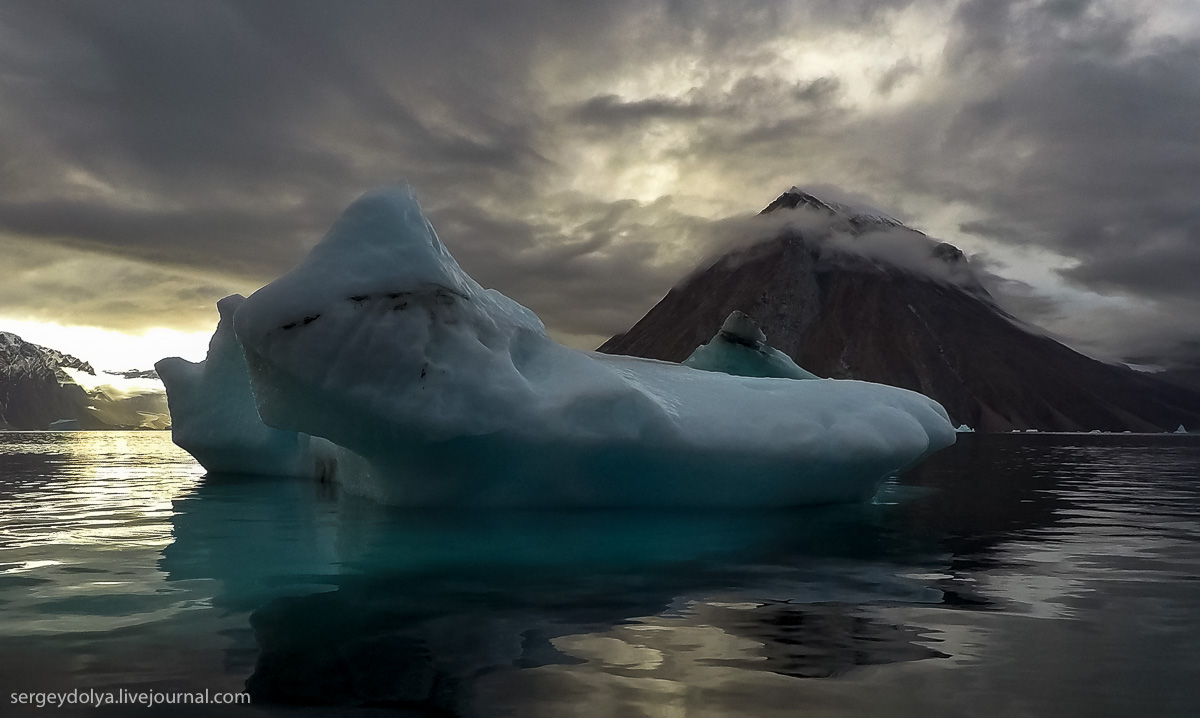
360,603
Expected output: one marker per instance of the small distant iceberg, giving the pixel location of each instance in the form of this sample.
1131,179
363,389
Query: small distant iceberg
1181,430
65,425
380,364
964,429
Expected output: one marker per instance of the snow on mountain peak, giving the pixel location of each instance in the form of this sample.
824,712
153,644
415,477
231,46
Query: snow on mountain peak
21,358
858,213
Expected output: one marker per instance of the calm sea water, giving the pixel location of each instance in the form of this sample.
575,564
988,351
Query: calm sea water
1030,575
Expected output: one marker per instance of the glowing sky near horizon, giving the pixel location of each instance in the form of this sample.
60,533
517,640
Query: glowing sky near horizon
111,350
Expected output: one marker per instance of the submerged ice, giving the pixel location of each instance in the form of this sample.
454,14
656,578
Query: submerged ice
437,391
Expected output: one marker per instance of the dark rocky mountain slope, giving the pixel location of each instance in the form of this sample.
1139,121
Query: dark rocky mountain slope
927,325
34,389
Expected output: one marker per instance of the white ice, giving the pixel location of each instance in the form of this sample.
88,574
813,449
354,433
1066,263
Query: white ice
740,348
453,394
214,417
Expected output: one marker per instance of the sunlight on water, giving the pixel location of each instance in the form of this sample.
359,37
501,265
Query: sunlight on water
1007,576
83,517
107,489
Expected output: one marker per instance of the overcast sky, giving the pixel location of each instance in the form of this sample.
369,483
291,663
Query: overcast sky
156,156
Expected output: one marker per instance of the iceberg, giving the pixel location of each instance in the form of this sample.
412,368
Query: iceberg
214,417
740,348
442,393
964,429
1181,430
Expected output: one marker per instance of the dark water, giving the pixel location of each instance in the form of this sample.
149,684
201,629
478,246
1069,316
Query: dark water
1026,575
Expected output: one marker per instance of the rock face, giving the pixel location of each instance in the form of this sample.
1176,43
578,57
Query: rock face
34,389
926,326
42,388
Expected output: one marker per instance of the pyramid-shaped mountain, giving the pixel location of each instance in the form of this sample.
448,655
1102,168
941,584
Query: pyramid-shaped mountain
852,293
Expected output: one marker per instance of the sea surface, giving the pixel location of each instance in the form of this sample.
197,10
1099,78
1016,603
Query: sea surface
1011,575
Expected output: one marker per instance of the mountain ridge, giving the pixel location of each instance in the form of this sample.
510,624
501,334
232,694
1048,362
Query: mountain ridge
38,392
34,389
854,312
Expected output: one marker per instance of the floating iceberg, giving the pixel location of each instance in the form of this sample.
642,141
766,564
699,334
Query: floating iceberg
437,391
214,417
740,348
1181,430
964,429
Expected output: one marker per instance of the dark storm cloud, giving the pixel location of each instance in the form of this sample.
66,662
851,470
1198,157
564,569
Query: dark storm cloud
1086,143
238,240
737,102
612,263
610,110
255,97
65,285
1019,298
225,136
896,75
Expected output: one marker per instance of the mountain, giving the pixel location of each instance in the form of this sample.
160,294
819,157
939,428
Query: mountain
136,374
34,388
855,216
1185,377
43,388
851,293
